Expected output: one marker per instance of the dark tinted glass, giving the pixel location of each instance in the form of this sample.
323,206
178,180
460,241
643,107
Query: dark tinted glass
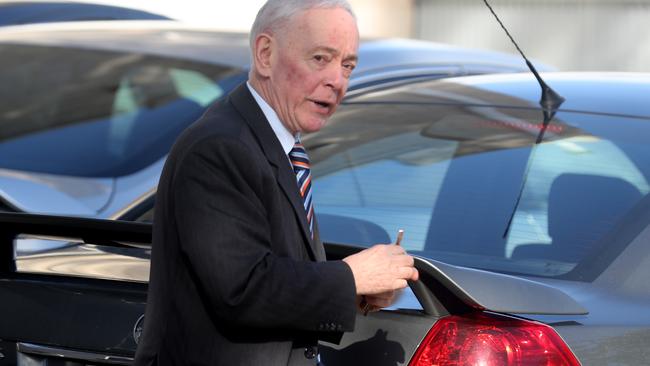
451,176
95,113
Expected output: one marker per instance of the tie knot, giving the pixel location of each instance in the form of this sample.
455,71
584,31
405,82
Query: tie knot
298,157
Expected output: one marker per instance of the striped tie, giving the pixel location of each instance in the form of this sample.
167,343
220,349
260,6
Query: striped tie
300,163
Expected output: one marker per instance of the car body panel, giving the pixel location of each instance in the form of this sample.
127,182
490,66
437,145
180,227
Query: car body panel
96,316
133,188
41,193
618,325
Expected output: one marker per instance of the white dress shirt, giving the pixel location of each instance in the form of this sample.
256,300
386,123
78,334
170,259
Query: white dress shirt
287,140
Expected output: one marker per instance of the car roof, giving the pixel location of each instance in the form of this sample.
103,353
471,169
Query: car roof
27,12
156,37
381,57
614,93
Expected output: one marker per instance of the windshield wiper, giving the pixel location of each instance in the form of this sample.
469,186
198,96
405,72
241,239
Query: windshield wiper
550,103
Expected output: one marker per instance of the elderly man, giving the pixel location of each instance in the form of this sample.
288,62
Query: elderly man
238,272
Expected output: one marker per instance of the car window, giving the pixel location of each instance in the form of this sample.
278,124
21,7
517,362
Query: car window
451,176
96,113
393,182
581,163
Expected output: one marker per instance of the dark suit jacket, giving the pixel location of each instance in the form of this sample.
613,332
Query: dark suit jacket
235,277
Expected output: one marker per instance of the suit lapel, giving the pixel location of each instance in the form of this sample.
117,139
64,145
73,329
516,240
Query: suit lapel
246,105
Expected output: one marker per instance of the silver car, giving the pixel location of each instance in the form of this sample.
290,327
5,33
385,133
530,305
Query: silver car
90,110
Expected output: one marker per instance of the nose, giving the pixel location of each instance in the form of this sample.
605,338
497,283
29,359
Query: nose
336,79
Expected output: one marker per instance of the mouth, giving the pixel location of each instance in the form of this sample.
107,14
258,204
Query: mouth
323,106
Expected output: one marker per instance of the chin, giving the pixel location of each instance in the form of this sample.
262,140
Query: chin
314,125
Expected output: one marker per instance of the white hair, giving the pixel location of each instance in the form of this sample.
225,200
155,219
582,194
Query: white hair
275,13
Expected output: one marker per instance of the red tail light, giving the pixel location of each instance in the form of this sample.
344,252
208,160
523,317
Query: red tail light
481,339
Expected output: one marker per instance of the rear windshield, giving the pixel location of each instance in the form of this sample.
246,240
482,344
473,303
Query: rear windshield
469,188
451,177
91,113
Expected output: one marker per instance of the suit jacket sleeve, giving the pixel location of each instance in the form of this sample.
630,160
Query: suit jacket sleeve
218,197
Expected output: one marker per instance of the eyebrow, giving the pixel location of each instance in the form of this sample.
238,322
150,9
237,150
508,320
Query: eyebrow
336,52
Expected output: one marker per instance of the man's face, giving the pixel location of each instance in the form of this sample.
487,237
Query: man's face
311,67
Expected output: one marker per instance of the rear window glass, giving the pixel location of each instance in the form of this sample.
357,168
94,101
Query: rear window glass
451,176
89,113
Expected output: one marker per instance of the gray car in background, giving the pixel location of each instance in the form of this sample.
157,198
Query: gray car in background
30,12
91,109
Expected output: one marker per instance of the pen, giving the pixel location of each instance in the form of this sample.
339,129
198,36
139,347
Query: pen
364,303
400,235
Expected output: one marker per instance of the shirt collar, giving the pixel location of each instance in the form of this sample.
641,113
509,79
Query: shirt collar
287,140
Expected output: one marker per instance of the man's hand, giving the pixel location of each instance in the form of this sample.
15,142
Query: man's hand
381,269
372,303
382,300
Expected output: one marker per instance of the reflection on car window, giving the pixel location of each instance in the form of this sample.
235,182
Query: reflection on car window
360,185
450,176
577,161
121,112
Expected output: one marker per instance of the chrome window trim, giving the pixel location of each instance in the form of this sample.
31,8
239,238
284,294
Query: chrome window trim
54,352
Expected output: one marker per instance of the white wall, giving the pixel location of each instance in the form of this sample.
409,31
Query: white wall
571,34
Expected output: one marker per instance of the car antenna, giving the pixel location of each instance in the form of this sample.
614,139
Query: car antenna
550,102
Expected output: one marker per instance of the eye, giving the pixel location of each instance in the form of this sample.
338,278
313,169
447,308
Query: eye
349,66
320,58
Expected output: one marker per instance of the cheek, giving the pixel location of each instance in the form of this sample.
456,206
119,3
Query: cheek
293,76
297,75
288,71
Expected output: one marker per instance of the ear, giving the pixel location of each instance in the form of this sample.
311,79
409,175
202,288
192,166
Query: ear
262,52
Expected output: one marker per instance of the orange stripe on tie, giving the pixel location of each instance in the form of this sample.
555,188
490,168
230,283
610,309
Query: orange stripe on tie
305,185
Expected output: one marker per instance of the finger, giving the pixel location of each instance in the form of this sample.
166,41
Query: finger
374,309
399,284
410,273
406,273
384,296
383,299
416,275
380,303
